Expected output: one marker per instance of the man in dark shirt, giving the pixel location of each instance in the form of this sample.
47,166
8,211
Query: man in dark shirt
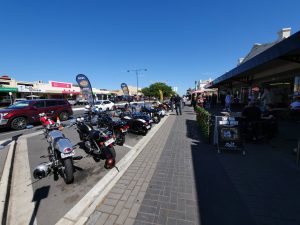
177,101
251,126
251,112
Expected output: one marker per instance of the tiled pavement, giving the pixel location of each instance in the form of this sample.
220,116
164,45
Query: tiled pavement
177,176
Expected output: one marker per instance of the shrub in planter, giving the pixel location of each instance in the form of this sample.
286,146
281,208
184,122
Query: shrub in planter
203,119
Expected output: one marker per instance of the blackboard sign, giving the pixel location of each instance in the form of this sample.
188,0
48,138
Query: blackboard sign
229,137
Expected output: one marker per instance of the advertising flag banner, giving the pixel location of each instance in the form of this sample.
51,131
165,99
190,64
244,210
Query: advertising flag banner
125,89
86,88
161,95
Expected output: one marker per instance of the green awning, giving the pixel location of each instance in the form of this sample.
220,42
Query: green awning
5,89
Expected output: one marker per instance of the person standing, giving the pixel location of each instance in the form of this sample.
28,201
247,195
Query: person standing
267,99
177,101
227,102
171,103
194,101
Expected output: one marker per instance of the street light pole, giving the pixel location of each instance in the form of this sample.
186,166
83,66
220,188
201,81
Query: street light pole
137,78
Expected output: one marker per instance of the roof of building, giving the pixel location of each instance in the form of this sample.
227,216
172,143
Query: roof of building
288,48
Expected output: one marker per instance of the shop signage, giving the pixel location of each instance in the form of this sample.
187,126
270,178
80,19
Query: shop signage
228,134
25,88
70,92
5,89
60,84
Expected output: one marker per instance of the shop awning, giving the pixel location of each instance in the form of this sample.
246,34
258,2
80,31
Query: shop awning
284,52
6,89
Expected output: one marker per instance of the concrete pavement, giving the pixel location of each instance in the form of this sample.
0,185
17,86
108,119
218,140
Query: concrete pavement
179,179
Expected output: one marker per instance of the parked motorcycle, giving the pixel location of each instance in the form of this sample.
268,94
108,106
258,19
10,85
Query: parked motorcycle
49,124
98,143
60,155
153,113
119,128
136,125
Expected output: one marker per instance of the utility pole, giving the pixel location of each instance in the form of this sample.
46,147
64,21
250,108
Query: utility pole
137,78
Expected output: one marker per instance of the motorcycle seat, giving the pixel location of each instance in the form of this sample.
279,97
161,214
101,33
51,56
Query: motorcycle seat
94,134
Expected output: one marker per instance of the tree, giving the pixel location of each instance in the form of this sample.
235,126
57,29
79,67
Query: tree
153,90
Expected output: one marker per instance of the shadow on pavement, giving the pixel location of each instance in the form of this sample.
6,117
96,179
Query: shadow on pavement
259,188
218,200
39,195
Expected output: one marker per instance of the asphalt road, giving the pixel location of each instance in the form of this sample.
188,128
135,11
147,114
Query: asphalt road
52,199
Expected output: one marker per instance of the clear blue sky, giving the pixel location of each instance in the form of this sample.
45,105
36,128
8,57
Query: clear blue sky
177,41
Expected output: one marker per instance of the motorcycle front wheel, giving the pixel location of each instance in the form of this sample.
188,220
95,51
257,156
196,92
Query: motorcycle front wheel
68,170
156,119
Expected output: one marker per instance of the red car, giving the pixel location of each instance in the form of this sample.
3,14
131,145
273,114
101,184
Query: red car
20,114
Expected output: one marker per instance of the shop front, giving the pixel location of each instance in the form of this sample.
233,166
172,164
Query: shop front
276,69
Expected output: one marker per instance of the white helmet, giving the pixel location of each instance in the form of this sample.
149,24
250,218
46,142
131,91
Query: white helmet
87,107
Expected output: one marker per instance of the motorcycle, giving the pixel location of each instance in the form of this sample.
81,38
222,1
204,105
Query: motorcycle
60,155
48,124
97,143
153,113
136,125
119,128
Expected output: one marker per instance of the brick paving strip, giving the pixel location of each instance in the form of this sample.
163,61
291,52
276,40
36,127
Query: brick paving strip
158,187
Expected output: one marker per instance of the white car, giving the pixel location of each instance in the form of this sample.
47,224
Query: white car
104,105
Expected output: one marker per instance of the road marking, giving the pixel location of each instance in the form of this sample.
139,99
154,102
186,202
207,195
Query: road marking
5,177
21,207
127,146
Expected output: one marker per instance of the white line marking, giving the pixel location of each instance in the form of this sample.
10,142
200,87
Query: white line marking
127,146
4,177
21,206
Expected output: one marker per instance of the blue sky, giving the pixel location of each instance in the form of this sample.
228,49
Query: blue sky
177,41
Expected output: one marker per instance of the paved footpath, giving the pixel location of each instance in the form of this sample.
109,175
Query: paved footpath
158,186
179,179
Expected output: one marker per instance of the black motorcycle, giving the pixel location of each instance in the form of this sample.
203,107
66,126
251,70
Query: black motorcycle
98,143
152,112
119,128
136,125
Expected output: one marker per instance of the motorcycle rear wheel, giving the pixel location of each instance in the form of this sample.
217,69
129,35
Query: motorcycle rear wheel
110,155
68,171
120,138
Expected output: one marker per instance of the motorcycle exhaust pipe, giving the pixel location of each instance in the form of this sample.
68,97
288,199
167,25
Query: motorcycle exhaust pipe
41,171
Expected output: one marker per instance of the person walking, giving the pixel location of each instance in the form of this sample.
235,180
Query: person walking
227,102
177,101
171,103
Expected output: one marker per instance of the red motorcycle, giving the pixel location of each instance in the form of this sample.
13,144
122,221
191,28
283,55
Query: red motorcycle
48,124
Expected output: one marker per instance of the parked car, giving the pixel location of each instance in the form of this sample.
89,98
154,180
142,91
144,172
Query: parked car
22,113
104,105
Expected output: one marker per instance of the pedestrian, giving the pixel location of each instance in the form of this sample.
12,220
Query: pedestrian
184,99
194,102
266,98
171,103
227,102
177,101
